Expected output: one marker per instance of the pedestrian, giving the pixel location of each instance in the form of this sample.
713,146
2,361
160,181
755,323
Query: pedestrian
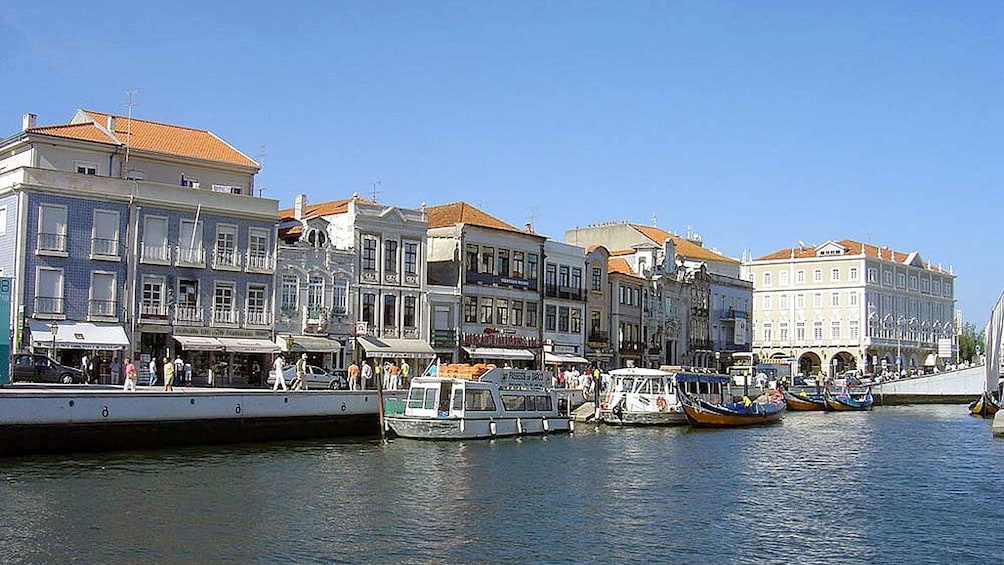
353,376
395,377
367,374
301,373
168,374
85,366
279,367
130,376
179,369
153,371
115,369
405,373
376,371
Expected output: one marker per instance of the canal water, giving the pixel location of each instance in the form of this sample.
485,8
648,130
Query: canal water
908,484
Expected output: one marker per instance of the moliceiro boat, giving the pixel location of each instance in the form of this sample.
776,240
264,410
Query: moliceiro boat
986,406
845,401
766,409
803,401
496,403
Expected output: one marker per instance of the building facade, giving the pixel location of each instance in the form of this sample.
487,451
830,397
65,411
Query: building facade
564,306
846,305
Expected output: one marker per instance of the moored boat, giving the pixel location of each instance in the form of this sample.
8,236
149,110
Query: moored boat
766,409
985,406
845,401
802,401
641,397
497,403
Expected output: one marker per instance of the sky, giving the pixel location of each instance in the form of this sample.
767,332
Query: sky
757,125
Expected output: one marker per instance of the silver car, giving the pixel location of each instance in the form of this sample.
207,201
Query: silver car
317,377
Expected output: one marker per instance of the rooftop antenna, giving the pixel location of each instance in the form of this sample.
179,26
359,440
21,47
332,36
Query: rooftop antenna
654,222
129,93
532,219
375,190
261,163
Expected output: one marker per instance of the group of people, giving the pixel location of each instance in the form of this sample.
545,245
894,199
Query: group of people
392,376
299,382
127,372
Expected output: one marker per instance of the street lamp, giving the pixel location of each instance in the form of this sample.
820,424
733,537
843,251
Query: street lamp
53,328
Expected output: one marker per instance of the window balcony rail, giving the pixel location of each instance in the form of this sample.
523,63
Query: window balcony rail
598,337
225,316
226,259
315,314
49,305
101,308
258,317
444,338
191,256
104,247
155,253
631,347
153,311
52,242
566,292
259,262
188,315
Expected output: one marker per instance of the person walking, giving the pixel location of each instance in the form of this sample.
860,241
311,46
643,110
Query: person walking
179,369
278,367
115,369
353,376
130,376
301,373
376,371
405,373
168,374
395,377
153,371
367,374
85,366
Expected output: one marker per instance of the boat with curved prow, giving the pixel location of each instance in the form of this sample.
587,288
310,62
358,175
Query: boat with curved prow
986,406
845,401
497,403
766,409
802,401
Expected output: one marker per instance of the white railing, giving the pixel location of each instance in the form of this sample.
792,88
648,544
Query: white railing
157,253
258,318
222,316
226,259
258,262
152,311
195,256
188,314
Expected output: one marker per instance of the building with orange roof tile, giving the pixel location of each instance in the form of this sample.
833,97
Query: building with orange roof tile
846,305
130,237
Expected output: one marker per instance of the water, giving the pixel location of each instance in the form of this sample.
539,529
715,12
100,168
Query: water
910,484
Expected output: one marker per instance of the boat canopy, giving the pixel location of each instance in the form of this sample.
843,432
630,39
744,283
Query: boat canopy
702,378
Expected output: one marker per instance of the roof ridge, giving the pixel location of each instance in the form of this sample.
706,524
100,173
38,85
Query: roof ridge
135,119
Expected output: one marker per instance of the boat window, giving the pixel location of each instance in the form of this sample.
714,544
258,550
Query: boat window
514,403
624,385
479,400
458,399
416,396
430,399
543,403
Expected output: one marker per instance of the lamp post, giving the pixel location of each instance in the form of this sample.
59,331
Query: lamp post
53,328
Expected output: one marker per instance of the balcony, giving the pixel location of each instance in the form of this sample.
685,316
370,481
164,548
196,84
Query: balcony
104,248
256,317
565,292
101,309
190,256
631,347
51,244
259,262
49,307
153,312
226,259
598,339
444,338
225,317
157,254
189,316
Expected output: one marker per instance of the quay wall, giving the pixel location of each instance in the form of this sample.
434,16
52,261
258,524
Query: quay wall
954,387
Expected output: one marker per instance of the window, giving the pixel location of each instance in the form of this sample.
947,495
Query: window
390,256
257,249
766,302
288,293
257,313
471,258
52,228
550,275
224,295
340,296
102,300
135,174
49,291
853,330
190,243
799,277
502,310
782,278
817,275
799,331
835,299
766,279
784,301
152,297
187,303
913,282
597,279
409,311
852,273
369,308
190,183
105,235
410,258
782,329
531,314
594,321
315,296
85,168
487,260
817,300
563,276
937,287
817,331
872,274
470,309
3,219
517,264
575,325
531,266
517,313
768,332
901,280
550,318
369,253
887,278
835,331
502,268
487,304
576,278
226,246
853,298
799,301
390,311
835,275
563,318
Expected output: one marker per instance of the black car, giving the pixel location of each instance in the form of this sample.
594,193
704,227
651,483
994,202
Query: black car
42,369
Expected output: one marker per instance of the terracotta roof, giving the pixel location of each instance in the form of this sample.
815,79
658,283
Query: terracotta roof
684,247
330,208
621,266
853,247
463,213
618,252
156,137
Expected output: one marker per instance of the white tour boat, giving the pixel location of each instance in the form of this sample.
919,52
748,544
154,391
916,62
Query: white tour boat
498,403
641,397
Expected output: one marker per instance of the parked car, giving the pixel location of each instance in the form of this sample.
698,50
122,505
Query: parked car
29,367
317,377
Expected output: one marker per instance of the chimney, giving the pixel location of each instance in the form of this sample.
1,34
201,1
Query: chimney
110,124
299,203
529,227
28,121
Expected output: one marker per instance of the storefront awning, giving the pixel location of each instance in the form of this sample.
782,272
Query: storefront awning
198,343
309,344
78,335
562,359
247,345
389,347
498,353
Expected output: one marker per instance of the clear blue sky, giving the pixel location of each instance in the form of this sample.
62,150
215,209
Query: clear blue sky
755,124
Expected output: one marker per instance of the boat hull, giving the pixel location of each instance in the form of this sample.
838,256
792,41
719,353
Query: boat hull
703,414
844,403
474,428
806,403
626,418
984,407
